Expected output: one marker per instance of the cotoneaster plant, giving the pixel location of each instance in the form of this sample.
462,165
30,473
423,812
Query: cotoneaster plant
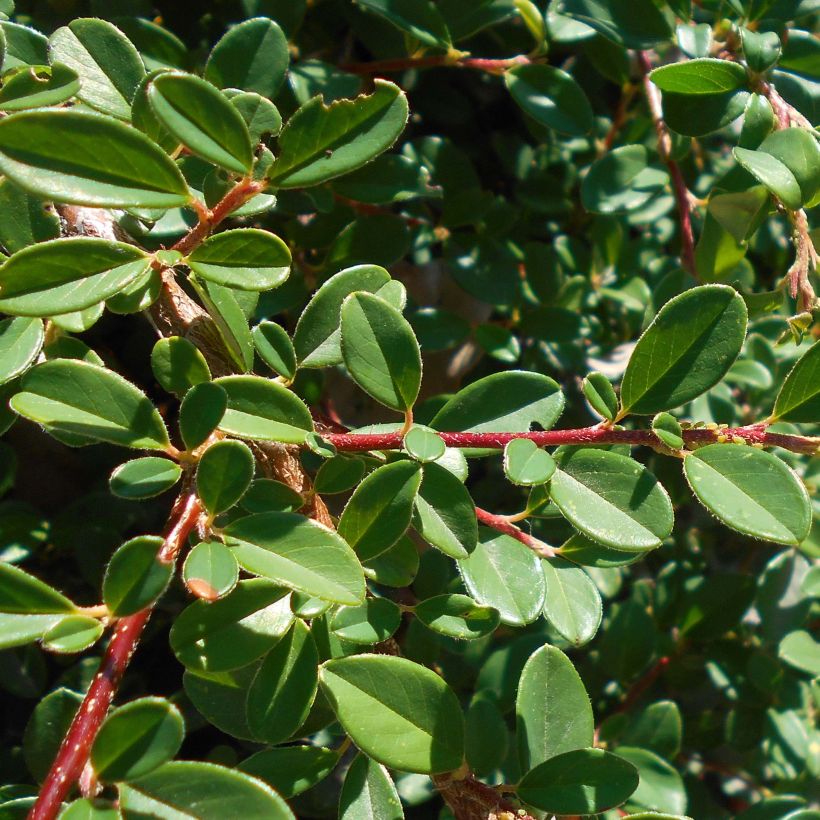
409,408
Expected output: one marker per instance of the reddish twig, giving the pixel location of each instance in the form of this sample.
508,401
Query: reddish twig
682,196
502,524
75,749
643,683
599,434
490,66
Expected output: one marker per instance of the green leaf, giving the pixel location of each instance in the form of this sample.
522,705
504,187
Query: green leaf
632,23
38,86
584,781
419,18
261,116
445,513
380,509
751,491
252,56
799,397
553,711
317,339
20,343
135,577
74,633
378,699
88,159
667,428
372,622
275,348
46,729
202,119
701,76
774,174
798,150
210,570
600,394
709,113
221,697
487,736
245,258
612,499
178,365
218,636
23,46
27,219
267,495
200,413
504,574
387,179
622,181
108,65
423,444
19,630
137,738
551,97
291,770
283,690
223,474
687,349
65,275
581,550
801,651
658,728
380,351
660,787
85,400
263,409
368,792
395,568
87,809
24,594
526,464
299,553
457,616
321,141
572,603
201,790
144,477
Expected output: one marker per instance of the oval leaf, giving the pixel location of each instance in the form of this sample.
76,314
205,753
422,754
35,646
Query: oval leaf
135,576
223,474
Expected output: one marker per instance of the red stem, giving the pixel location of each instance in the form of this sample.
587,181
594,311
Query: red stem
754,434
643,683
681,192
502,524
76,746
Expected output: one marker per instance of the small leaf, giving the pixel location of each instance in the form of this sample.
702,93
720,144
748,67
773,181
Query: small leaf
380,509
87,809
262,409
244,258
275,348
585,781
774,174
457,616
526,464
201,790
551,97
224,472
798,150
38,86
210,570
92,402
799,397
660,785
178,365
46,729
20,343
137,738
283,690
572,603
299,553
23,593
202,119
88,159
380,351
548,725
291,770
632,23
108,65
74,633
423,444
801,651
751,491
368,792
701,76
395,568
218,636
252,56
687,349
379,698
144,477
622,181
321,142
200,413
419,18
261,116
372,622
135,577
267,495
231,322
601,396
502,573
69,274
667,428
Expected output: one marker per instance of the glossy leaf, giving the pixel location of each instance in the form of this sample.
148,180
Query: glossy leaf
622,181
799,397
200,412
372,622
667,428
397,712
22,593
423,444
632,24
291,770
74,633
457,616
572,603
178,365
20,343
368,792
135,576
774,174
419,18
275,348
38,86
526,464
223,474
144,477
210,570
444,513
701,76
